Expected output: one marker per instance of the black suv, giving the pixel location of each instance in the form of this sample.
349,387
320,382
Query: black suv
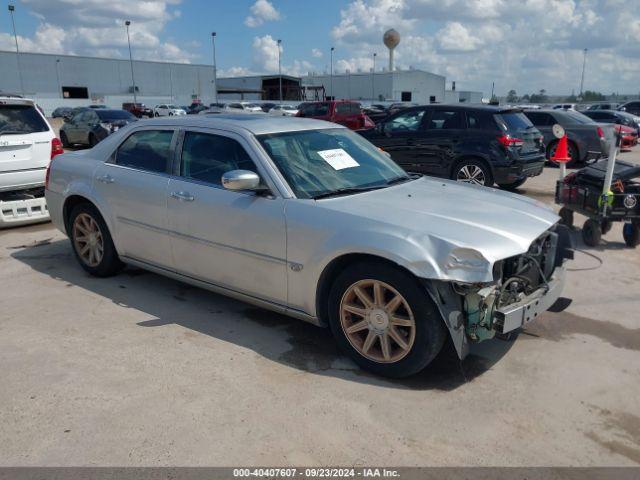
482,145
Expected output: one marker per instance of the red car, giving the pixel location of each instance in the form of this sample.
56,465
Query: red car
629,136
344,112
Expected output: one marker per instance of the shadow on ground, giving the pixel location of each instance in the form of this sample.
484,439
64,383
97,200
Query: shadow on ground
310,348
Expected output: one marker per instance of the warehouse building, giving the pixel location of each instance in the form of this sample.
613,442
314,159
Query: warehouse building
399,85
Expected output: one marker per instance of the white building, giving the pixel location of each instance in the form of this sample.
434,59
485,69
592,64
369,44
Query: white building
400,85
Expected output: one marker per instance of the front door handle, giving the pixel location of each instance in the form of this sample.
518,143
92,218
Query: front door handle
183,196
105,179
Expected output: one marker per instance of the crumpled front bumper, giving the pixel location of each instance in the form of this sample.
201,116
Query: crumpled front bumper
516,315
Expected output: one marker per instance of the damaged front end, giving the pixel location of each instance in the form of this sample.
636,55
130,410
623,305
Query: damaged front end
524,286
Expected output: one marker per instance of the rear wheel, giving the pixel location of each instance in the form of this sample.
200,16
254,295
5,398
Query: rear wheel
474,172
64,140
384,321
92,243
631,234
573,154
591,233
514,185
566,217
605,226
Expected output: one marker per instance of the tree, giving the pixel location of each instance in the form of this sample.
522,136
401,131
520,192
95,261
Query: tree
512,96
589,96
571,99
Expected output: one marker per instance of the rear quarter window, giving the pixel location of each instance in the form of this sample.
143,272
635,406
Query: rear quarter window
315,110
23,119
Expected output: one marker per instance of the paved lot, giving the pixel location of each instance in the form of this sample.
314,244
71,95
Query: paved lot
142,370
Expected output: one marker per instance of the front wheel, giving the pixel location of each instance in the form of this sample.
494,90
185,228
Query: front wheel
92,243
474,172
591,233
383,319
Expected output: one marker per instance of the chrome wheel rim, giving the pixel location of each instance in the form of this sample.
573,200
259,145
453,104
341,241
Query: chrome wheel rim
377,321
471,174
87,239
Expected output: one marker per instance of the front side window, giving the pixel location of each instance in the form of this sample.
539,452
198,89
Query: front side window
446,120
343,109
319,162
207,157
148,150
315,109
405,122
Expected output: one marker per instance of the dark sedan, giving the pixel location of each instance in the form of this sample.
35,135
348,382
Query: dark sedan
586,137
90,126
482,145
61,112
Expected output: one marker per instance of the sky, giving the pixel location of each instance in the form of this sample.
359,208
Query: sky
525,45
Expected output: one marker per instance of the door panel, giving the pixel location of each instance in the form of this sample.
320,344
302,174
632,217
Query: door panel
236,240
443,133
135,190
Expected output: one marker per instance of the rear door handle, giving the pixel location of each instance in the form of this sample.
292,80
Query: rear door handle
183,196
105,179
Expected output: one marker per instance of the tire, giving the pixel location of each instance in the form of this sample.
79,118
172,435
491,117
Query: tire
170,114
423,339
573,154
631,234
606,226
93,140
512,186
566,217
591,233
64,140
475,172
84,220
156,114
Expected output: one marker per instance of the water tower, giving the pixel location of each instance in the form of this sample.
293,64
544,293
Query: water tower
391,39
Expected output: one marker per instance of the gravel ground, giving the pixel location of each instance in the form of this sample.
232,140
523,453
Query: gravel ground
142,370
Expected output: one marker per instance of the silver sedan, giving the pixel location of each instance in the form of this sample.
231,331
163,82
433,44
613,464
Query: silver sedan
306,218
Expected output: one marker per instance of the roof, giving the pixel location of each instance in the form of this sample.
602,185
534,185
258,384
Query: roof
468,106
256,124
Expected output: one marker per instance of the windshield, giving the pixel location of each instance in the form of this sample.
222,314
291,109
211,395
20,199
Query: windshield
15,119
115,115
317,162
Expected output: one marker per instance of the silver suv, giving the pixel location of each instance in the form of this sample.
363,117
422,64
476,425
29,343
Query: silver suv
309,219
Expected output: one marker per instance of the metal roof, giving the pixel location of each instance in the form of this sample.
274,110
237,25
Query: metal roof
256,124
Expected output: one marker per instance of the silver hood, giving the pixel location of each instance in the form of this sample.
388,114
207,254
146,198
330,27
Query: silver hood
460,229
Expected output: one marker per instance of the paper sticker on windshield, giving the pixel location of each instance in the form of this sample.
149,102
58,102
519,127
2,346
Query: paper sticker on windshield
338,158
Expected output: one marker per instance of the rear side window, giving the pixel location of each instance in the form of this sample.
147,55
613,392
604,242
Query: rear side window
541,119
148,150
21,119
315,110
446,120
480,120
513,122
577,117
343,109
207,157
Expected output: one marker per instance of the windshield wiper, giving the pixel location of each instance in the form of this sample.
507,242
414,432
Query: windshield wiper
393,181
346,191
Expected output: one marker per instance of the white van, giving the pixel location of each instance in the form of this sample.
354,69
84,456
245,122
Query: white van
27,145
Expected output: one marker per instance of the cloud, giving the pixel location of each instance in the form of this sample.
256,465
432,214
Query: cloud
536,44
96,28
262,11
316,53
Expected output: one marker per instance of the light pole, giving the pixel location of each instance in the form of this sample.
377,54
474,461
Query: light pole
373,77
331,75
584,63
15,36
133,80
58,77
279,70
215,73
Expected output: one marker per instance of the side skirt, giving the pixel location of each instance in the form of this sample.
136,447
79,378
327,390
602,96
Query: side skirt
258,302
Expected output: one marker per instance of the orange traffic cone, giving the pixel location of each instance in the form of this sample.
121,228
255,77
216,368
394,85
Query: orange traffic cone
561,155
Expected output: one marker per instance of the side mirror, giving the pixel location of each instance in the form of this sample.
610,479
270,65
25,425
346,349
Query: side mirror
241,180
